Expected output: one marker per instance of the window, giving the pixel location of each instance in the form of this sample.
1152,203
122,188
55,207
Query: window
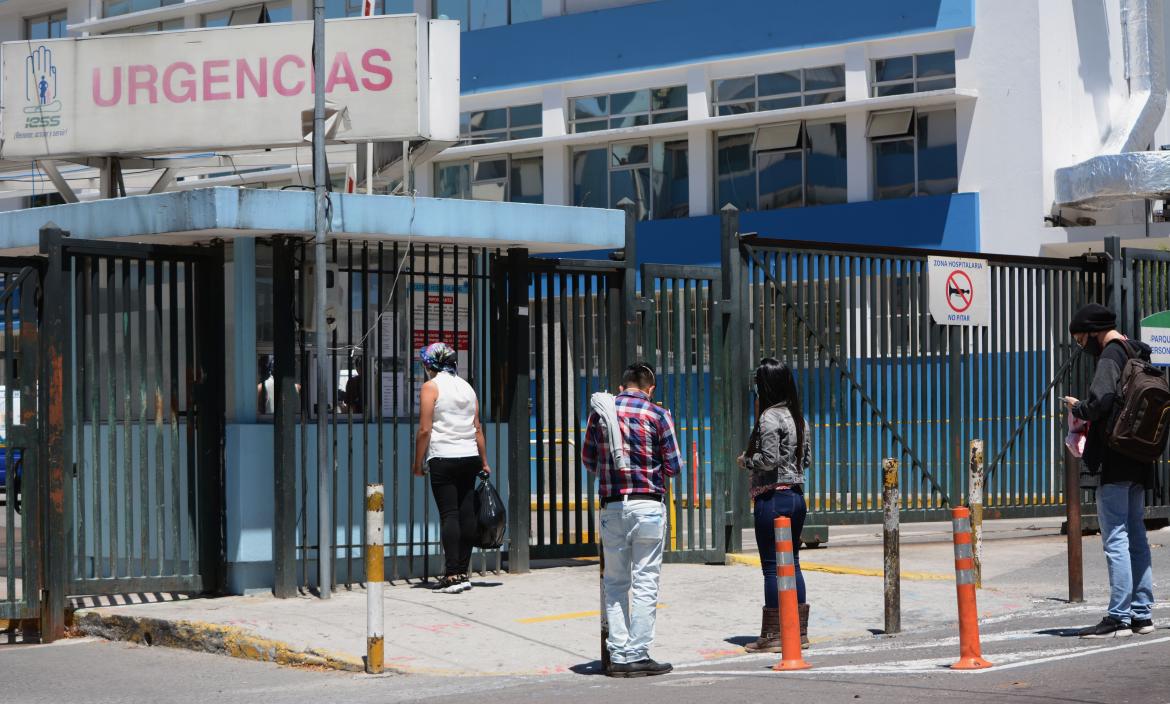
776,91
481,14
499,124
50,26
113,8
914,74
278,11
787,165
914,153
654,175
177,23
353,8
517,179
629,109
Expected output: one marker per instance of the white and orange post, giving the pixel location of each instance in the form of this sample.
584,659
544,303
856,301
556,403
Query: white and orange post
970,654
791,657
375,578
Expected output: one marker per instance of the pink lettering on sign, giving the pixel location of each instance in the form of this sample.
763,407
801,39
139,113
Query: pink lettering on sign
189,88
278,83
211,79
97,88
341,72
382,72
143,77
258,81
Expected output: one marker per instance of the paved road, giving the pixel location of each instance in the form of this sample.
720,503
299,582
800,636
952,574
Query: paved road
1037,661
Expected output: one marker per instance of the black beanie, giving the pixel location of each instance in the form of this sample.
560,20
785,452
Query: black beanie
1093,317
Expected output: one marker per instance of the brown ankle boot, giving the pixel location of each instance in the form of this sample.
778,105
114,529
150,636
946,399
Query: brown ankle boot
769,640
803,625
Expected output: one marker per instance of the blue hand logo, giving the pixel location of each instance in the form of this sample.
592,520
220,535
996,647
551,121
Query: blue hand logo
40,82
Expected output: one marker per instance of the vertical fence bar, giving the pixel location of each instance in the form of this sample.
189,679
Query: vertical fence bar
53,450
519,453
285,505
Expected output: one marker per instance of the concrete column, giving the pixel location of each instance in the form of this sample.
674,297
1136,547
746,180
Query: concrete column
242,332
557,179
424,179
699,143
856,142
422,8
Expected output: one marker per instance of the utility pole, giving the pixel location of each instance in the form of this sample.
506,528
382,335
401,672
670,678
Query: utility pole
324,383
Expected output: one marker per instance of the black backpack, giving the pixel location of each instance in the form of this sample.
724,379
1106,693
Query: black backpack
1139,430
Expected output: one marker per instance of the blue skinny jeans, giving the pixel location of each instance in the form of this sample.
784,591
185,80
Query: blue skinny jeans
782,502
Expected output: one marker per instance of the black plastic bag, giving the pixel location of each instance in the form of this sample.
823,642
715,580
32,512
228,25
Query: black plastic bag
491,517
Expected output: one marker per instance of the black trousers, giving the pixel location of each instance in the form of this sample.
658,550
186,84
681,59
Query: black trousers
453,484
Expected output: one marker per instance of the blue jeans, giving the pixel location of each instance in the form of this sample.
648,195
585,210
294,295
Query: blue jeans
632,536
1120,510
784,502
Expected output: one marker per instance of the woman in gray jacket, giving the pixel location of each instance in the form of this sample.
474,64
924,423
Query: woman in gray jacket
778,453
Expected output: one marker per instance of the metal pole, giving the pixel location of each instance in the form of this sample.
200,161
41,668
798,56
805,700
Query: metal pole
1072,500
891,545
324,499
975,500
375,578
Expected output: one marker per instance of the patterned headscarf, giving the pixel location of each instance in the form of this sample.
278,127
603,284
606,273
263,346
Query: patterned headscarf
438,357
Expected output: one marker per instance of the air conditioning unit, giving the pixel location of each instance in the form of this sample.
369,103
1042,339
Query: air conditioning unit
335,298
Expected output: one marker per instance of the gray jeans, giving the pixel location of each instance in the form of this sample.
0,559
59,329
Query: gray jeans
632,536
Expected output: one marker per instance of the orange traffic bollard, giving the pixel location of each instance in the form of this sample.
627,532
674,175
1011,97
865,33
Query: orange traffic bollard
790,652
970,655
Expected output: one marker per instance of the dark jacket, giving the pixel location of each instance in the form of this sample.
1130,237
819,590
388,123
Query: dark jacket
1100,409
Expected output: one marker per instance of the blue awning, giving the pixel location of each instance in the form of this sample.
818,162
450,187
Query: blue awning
203,214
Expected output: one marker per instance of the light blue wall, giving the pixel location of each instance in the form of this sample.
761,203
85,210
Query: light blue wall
243,346
675,32
250,503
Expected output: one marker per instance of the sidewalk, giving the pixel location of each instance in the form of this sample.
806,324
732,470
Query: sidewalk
546,622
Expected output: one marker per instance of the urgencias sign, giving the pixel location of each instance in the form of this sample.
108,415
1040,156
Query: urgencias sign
227,88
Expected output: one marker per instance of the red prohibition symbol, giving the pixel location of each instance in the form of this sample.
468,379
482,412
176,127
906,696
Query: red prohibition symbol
960,293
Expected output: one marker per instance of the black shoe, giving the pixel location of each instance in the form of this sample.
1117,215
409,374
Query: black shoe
1142,626
1108,628
642,668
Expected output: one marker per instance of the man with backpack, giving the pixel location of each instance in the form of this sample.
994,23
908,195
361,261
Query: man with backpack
1119,458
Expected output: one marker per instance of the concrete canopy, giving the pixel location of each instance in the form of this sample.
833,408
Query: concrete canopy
205,214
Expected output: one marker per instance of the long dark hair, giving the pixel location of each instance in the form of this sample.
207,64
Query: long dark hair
775,384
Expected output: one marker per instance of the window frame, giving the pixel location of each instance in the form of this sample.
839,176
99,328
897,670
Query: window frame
50,18
802,94
647,165
230,12
160,4
471,164
914,80
505,133
910,135
650,113
508,21
802,146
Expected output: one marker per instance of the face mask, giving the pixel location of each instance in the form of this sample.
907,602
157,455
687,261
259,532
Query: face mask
1092,346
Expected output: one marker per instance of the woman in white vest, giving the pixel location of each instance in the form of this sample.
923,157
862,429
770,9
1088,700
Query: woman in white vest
450,445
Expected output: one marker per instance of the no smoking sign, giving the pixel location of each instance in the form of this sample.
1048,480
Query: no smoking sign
960,291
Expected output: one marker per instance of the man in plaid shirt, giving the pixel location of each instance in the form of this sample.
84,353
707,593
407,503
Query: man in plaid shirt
633,518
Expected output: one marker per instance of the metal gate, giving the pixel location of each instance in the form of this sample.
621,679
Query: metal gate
880,379
20,518
135,398
386,301
1144,275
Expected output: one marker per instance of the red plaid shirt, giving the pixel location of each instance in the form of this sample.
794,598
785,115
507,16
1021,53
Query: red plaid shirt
648,432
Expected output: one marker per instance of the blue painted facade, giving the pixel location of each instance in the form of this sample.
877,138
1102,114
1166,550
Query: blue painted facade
677,32
946,222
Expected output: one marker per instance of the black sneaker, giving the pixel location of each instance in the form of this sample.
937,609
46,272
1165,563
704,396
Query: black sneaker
1142,626
1108,628
451,584
642,668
